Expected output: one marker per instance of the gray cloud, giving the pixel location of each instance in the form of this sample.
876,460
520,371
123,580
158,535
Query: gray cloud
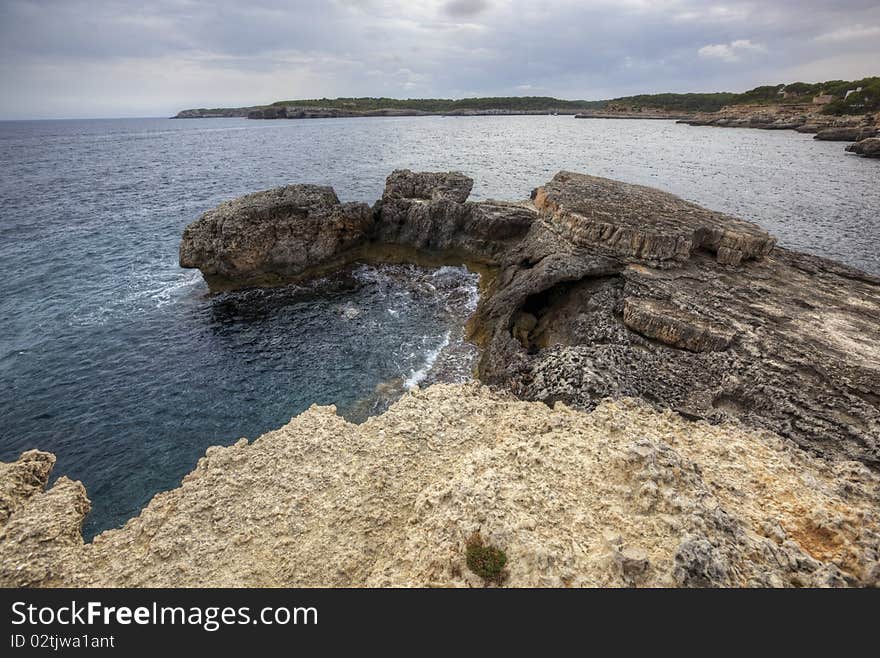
105,58
466,7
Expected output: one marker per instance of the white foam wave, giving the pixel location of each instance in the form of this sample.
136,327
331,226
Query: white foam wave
158,292
417,376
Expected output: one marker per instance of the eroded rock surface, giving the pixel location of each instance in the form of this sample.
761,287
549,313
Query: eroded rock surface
606,309
622,496
274,234
597,288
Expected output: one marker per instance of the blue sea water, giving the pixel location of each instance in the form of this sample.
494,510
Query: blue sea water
122,364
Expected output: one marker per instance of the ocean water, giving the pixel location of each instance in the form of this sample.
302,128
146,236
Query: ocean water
122,364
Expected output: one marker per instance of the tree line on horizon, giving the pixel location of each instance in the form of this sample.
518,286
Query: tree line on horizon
866,100
794,93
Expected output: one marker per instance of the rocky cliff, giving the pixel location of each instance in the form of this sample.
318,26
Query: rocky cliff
621,496
595,288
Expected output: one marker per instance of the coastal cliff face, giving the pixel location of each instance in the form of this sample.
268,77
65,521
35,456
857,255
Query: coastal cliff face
596,288
622,496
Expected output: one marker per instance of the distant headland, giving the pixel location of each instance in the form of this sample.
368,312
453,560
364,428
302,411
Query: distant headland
831,98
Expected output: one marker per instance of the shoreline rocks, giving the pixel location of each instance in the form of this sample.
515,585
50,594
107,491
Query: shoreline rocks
273,235
847,134
800,118
622,496
596,288
869,148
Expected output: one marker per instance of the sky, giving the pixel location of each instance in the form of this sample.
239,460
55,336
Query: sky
103,58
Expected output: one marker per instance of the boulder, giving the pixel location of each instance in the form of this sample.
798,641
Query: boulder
869,148
427,186
428,211
275,234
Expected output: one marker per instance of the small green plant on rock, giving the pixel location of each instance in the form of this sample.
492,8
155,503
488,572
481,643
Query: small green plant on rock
485,560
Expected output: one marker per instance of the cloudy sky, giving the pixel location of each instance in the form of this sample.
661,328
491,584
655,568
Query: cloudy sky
101,58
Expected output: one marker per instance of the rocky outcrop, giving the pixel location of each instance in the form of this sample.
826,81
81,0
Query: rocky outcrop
869,148
429,212
217,113
641,222
622,496
597,288
299,230
273,235
774,117
849,134
802,118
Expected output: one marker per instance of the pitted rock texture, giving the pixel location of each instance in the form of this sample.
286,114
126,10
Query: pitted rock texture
274,234
428,186
597,288
622,496
641,222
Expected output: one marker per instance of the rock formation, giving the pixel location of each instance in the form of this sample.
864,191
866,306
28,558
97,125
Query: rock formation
274,235
869,148
621,496
675,401
802,118
596,288
848,134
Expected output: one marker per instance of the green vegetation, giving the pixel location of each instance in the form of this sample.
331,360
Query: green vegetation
675,102
485,560
868,100
517,103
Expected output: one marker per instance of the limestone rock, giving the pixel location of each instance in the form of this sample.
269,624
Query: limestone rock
39,529
21,479
392,502
599,288
428,186
274,234
672,326
427,211
641,222
869,148
846,134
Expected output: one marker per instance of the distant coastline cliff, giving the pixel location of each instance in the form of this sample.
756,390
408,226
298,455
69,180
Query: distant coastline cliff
835,97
